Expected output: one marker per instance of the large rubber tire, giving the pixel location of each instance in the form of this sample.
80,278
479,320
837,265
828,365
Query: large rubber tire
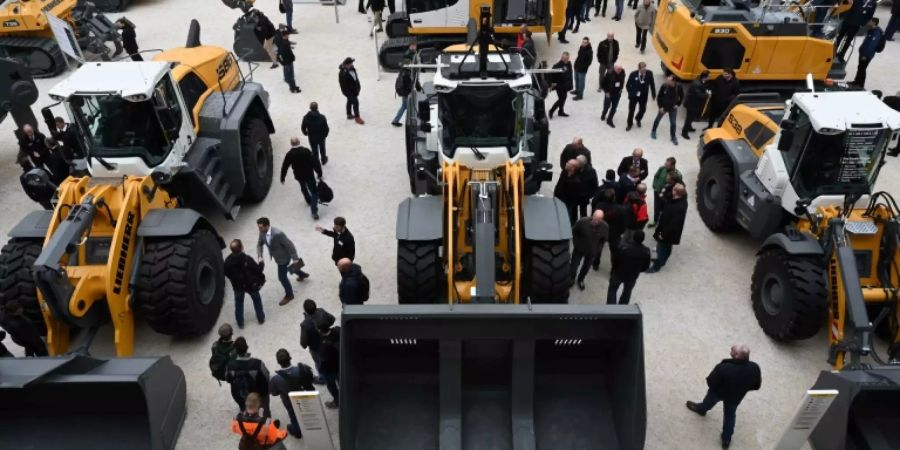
181,283
420,272
716,200
256,152
16,281
547,276
790,299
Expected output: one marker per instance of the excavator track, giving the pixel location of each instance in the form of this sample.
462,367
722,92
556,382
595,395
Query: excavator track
390,56
41,56
109,5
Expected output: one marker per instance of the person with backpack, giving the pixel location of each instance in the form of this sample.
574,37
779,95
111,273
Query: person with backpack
222,353
872,44
330,360
290,379
354,287
309,331
403,87
257,431
246,276
306,170
246,375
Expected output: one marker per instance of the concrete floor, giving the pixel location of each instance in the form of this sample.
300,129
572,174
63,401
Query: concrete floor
693,310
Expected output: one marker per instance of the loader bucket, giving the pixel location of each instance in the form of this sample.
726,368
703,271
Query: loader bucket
247,46
81,402
546,377
864,415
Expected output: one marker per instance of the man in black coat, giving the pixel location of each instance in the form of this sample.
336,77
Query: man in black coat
129,38
670,226
247,375
350,87
315,127
612,84
246,277
670,98
344,244
286,58
309,330
330,357
722,91
290,378
529,51
306,168
614,216
861,12
562,83
582,63
607,55
628,262
640,83
728,383
588,236
66,135
352,289
569,187
635,160
694,103
572,151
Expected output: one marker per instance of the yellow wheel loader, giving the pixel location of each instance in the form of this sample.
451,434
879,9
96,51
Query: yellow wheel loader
480,371
800,176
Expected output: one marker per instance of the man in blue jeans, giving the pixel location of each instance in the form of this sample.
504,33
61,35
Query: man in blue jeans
670,226
246,277
306,168
728,383
669,99
282,250
582,63
330,360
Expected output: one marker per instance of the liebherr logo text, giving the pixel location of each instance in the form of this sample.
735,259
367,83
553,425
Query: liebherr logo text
123,254
51,5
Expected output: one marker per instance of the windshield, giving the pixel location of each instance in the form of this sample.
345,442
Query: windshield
480,116
116,128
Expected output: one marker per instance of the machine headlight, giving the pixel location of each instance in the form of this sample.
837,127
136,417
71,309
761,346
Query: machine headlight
136,97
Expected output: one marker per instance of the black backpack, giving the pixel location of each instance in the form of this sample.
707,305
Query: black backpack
302,382
363,287
403,85
325,193
221,355
245,382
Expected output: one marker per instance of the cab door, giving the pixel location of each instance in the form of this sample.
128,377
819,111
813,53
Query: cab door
424,14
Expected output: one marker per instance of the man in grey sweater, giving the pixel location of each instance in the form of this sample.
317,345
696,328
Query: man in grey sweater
588,236
282,250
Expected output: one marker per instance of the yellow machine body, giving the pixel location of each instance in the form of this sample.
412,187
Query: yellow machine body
750,124
557,13
28,19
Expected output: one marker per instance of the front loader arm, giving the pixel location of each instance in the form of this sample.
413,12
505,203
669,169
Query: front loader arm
848,307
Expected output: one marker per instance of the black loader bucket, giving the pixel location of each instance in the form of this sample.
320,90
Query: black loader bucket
422,377
85,403
247,46
865,415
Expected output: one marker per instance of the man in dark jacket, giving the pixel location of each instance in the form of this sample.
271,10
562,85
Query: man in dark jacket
572,151
613,83
21,329
66,135
129,38
589,183
290,378
286,58
872,44
670,98
614,216
607,54
627,183
670,227
635,160
352,290
722,91
529,51
344,244
628,262
588,236
330,361
582,63
309,331
861,12
640,83
247,374
695,103
894,23
350,87
265,32
728,383
562,83
568,188
246,277
315,126
306,169
287,7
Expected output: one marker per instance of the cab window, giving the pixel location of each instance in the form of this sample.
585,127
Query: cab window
192,88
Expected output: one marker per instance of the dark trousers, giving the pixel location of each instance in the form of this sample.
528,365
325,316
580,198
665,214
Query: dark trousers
613,242
690,116
561,96
352,106
610,102
239,305
641,104
285,281
892,27
362,7
658,204
582,259
844,39
729,413
641,38
572,209
391,4
318,148
331,382
310,194
288,70
600,6
663,252
614,282
294,426
137,57
673,119
860,79
620,7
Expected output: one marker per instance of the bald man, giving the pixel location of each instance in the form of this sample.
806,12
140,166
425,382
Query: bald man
588,236
635,160
670,227
728,383
572,151
306,168
354,287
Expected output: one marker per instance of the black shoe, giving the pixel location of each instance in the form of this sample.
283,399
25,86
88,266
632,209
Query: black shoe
262,321
609,122
691,130
573,92
595,15
397,124
563,41
576,98
274,66
628,127
685,135
726,444
315,216
350,117
603,116
318,380
596,268
562,114
694,408
324,160
604,14
638,123
331,405
551,113
581,285
296,90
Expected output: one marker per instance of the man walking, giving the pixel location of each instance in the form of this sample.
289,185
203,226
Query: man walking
861,12
635,160
582,63
309,331
344,244
247,375
129,38
607,55
695,103
632,258
315,127
354,286
669,99
350,87
306,168
246,277
872,44
894,23
644,17
723,90
588,236
640,84
529,51
330,361
287,7
568,188
286,58
614,216
562,84
659,183
290,378
670,227
377,7
728,383
282,250
613,83
403,87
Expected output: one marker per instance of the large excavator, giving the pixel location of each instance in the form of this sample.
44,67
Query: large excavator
26,35
800,175
490,354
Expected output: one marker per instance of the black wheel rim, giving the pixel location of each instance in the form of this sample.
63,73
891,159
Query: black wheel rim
772,294
262,162
711,193
205,282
